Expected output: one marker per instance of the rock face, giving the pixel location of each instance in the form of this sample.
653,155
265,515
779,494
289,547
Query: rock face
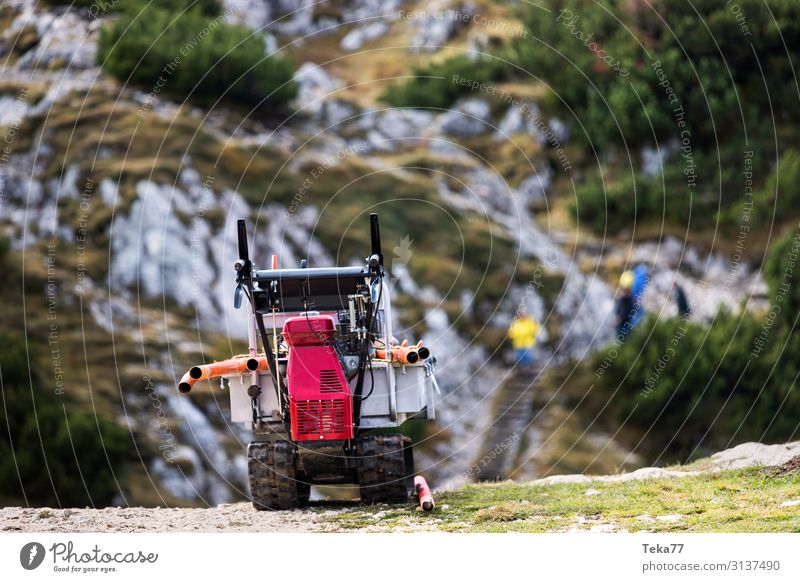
467,119
534,188
256,14
524,119
392,129
739,457
755,454
314,87
51,40
437,22
356,38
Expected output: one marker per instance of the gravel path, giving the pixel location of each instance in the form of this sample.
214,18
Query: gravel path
235,517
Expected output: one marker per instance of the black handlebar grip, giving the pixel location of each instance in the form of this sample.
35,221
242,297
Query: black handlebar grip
375,236
244,252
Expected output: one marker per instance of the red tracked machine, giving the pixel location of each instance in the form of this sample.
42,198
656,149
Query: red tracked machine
323,373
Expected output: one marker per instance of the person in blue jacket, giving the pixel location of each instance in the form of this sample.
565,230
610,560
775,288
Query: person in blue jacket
641,277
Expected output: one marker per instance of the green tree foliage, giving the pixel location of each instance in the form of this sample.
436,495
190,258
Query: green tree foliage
439,85
50,455
612,63
190,54
685,388
781,193
782,271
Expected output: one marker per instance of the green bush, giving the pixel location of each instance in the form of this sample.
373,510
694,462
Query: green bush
50,455
100,7
193,55
691,389
782,271
781,193
438,85
619,203
5,247
608,206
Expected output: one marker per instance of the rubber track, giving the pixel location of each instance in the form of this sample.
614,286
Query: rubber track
271,468
383,474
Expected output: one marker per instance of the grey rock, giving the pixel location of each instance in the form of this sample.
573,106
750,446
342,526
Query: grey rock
314,85
253,13
357,37
533,189
438,23
467,119
362,9
654,157
387,129
522,119
68,39
560,130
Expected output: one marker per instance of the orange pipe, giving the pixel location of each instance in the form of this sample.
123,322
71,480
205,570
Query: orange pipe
232,367
423,493
405,354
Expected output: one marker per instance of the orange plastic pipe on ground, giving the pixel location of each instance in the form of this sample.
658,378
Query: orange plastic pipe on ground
423,493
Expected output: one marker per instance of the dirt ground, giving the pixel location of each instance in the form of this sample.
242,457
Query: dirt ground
236,517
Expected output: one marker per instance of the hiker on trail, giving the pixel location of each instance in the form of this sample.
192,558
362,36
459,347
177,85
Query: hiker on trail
522,333
624,306
680,300
641,277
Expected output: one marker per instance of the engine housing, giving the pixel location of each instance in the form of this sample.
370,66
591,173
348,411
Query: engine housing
320,400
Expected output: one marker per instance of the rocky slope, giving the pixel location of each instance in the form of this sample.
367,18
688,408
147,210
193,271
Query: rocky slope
139,197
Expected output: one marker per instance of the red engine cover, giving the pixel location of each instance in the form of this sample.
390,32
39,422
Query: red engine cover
320,401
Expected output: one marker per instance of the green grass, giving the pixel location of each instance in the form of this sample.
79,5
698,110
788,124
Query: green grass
746,500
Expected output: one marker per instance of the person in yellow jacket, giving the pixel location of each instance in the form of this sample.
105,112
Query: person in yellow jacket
522,333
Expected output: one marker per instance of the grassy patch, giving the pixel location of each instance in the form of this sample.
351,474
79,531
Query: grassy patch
732,501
